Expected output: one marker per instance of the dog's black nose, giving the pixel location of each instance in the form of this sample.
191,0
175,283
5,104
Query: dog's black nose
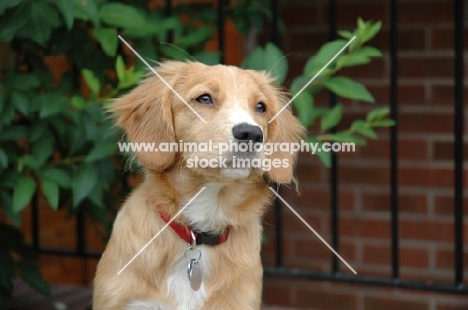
246,132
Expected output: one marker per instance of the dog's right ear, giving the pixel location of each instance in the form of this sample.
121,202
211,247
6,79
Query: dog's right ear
145,115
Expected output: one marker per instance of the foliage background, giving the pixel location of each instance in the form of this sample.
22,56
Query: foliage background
55,139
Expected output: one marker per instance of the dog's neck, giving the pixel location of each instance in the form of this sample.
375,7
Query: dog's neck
217,205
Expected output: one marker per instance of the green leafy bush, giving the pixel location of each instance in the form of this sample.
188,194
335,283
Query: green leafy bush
55,139
318,75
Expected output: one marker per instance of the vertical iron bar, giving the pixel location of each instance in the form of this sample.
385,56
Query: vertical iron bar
35,222
221,20
278,209
168,13
274,22
279,231
332,6
80,236
394,137
458,143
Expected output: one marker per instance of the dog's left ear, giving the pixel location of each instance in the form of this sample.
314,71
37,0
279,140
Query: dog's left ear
285,128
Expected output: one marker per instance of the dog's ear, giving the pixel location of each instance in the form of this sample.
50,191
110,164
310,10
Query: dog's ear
285,128
145,115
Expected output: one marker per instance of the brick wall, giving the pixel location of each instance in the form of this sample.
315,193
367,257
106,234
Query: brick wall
425,166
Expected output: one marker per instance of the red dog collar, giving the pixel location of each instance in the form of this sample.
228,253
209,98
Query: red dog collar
201,237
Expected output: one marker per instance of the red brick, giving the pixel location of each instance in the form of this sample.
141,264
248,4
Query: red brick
376,69
461,305
407,149
443,38
445,205
308,42
425,66
300,14
414,257
348,12
408,40
326,300
426,12
365,228
380,255
431,230
445,259
293,224
426,122
444,150
426,177
277,295
312,198
406,203
383,303
312,249
309,171
363,175
444,95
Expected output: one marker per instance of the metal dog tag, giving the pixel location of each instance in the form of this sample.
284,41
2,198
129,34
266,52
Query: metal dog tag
194,274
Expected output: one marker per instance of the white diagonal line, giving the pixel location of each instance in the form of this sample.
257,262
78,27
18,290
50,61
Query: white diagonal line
311,80
160,231
164,81
313,230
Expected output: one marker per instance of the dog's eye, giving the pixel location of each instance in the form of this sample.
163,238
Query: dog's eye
260,107
204,99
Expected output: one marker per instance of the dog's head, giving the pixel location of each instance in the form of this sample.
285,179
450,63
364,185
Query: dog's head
237,106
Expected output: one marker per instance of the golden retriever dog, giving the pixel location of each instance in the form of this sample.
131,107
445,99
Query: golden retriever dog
209,256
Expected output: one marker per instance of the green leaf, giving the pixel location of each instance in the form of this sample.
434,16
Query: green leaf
56,175
25,81
377,114
3,159
107,37
383,123
78,101
15,132
275,62
92,81
323,56
21,102
43,148
325,158
372,31
37,130
255,60
120,68
346,34
43,17
13,22
67,8
87,10
352,60
6,4
121,15
52,103
51,192
22,193
361,127
84,180
208,58
368,51
304,104
101,150
30,274
331,118
347,137
347,88
198,35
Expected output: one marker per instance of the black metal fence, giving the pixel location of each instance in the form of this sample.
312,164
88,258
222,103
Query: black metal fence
334,274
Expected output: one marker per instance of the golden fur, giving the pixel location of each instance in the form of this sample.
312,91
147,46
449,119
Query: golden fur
151,113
